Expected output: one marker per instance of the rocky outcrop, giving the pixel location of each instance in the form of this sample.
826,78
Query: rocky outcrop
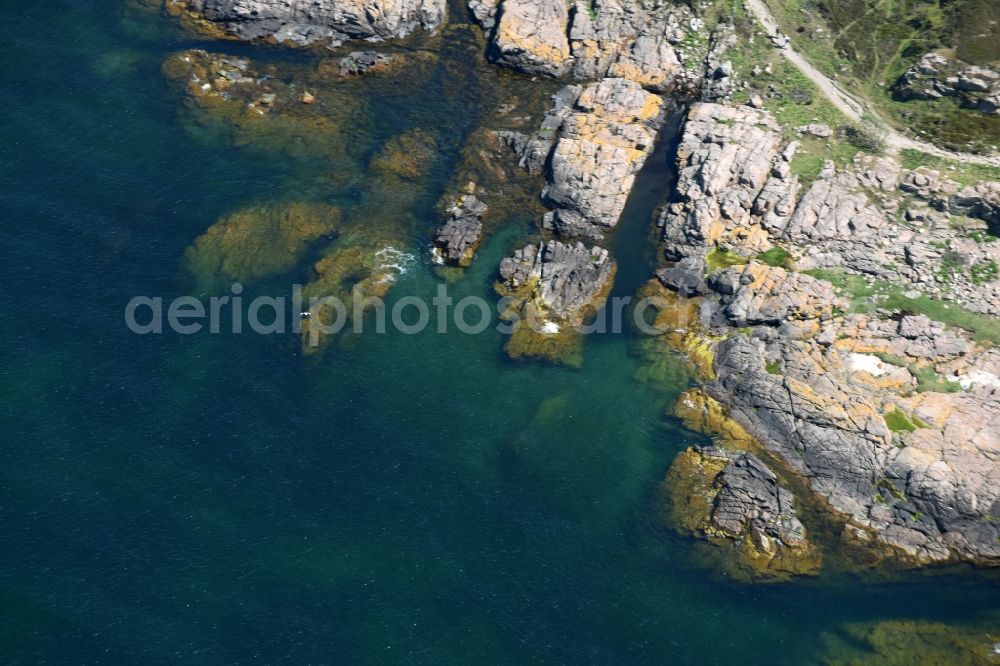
626,39
590,40
458,238
734,498
361,62
981,201
833,209
561,279
603,141
304,22
936,76
890,418
530,36
927,485
728,158
592,143
759,294
551,289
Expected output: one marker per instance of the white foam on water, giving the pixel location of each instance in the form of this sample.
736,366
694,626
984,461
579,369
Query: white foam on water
394,263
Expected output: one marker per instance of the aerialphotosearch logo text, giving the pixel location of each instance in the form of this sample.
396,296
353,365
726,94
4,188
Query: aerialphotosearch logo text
321,316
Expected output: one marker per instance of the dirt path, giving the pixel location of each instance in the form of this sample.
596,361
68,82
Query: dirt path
849,105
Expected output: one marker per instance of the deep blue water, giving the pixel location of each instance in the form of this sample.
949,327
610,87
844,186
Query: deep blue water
410,499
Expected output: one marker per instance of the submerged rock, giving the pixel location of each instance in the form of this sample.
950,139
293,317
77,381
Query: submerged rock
261,241
260,105
913,643
363,264
304,22
361,62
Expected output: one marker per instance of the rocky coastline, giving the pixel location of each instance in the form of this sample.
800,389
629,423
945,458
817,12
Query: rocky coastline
842,323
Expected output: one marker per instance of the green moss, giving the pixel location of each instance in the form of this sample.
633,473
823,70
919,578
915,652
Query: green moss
776,257
719,259
929,381
899,421
891,360
773,367
890,487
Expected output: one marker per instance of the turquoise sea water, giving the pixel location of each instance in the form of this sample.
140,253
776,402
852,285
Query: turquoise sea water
410,499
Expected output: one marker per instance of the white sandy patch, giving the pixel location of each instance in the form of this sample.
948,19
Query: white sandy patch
873,365
979,378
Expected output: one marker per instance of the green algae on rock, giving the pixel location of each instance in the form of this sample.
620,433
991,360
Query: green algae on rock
260,241
366,260
913,643
734,501
265,106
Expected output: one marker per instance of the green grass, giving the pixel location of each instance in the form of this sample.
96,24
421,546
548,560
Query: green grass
984,271
851,285
807,166
776,257
798,102
964,173
891,360
984,328
982,236
773,367
929,381
719,259
866,45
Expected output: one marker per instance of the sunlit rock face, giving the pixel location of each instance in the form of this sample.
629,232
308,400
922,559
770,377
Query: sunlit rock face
551,289
305,22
